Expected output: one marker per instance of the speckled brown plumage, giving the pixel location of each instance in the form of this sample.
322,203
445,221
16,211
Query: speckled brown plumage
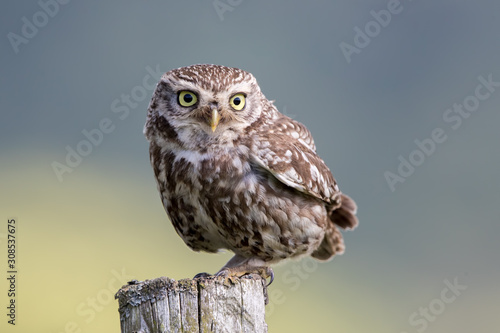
249,181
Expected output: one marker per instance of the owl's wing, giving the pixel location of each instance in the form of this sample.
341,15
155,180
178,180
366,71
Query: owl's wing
294,129
287,151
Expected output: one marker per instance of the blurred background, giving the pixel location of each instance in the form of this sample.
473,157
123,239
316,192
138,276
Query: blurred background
402,99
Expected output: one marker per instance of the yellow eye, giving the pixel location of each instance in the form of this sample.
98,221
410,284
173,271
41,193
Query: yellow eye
237,102
187,98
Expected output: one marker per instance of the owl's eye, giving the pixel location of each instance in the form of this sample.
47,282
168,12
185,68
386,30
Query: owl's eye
237,102
187,98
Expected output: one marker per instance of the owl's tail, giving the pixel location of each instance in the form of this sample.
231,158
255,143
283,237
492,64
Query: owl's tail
345,215
333,242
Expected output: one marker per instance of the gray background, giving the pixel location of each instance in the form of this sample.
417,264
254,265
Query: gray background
440,225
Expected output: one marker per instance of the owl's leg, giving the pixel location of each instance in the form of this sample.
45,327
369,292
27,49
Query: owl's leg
239,266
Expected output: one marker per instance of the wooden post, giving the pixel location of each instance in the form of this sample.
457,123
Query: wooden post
200,305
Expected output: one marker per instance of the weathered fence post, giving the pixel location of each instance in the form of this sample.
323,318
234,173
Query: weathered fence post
200,305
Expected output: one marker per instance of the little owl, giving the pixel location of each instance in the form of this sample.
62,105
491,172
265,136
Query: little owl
234,173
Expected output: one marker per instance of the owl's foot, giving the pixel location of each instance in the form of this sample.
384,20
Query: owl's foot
242,270
239,266
264,271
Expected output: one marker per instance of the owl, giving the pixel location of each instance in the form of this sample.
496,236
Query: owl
234,173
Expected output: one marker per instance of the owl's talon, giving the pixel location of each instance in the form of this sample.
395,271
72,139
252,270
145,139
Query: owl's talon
226,273
270,273
202,275
222,273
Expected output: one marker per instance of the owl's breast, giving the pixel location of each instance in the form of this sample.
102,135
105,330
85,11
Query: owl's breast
218,201
192,184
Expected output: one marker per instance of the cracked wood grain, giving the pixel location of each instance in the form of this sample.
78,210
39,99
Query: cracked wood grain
202,305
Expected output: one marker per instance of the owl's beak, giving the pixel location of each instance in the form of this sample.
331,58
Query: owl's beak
214,121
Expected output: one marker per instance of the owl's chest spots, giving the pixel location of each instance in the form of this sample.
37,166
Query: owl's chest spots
203,172
193,187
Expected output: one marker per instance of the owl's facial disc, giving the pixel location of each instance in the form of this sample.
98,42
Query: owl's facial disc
222,114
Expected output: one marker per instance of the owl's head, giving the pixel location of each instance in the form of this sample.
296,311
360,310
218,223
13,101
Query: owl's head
204,103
